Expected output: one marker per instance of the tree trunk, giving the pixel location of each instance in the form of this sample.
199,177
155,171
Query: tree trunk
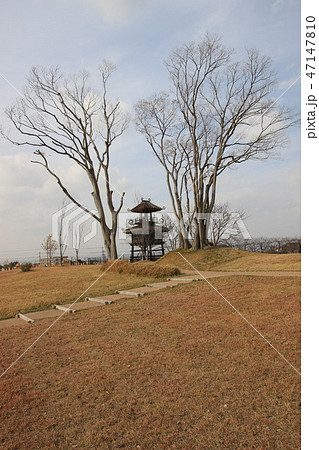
201,233
196,241
183,241
62,250
113,249
107,242
108,238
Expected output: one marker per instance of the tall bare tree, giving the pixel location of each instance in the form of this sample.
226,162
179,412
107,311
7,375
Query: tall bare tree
78,233
220,114
49,245
64,116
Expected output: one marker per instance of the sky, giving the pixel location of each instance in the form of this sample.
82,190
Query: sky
137,36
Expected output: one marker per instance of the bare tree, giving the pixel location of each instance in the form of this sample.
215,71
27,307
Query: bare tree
221,114
49,245
171,238
268,244
66,117
262,244
222,225
78,233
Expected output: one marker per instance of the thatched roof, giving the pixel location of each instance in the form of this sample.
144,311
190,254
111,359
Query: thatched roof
146,207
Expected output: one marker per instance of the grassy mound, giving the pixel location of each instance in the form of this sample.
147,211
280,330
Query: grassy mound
202,259
141,268
228,259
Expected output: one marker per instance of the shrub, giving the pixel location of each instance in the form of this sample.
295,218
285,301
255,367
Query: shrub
26,267
141,268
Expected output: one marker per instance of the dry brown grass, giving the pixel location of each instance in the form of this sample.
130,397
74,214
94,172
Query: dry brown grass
227,259
43,287
142,268
175,370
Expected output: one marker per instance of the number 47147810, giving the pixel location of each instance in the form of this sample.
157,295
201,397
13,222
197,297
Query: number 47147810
310,46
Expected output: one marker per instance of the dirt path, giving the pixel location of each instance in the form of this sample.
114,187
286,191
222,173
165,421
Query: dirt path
211,274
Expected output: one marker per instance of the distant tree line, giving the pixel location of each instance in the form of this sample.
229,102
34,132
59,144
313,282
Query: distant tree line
278,245
265,245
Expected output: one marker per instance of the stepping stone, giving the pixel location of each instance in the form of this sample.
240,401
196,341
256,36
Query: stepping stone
157,285
135,294
23,317
114,298
183,280
63,308
85,305
98,300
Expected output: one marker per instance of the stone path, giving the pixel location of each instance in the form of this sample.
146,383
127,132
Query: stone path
101,301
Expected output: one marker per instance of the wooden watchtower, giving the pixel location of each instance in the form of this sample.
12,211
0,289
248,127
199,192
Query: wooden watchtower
147,233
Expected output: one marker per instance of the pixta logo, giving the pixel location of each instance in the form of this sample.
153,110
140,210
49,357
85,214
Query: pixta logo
234,227
71,225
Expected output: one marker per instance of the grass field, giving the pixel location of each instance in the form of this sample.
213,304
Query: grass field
178,369
43,287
